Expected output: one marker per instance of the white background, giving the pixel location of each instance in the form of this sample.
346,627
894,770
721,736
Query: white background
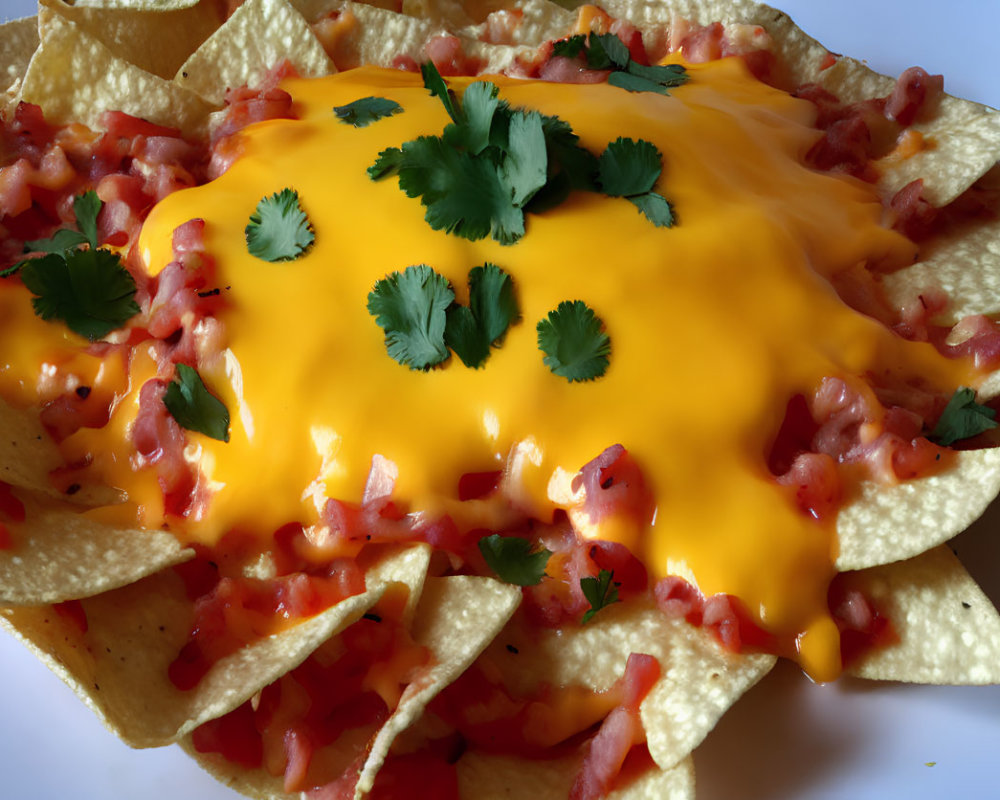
788,739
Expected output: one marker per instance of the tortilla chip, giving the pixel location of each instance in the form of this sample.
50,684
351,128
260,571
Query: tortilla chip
259,34
156,38
698,683
379,36
966,260
490,777
118,667
890,523
964,134
20,40
458,617
74,77
59,554
949,630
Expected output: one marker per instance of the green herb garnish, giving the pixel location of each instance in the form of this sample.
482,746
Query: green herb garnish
605,51
480,176
629,168
963,418
574,342
600,592
279,229
513,559
472,329
410,307
362,113
88,289
194,407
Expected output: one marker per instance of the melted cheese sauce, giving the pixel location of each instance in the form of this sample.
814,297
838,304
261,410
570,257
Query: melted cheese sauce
714,323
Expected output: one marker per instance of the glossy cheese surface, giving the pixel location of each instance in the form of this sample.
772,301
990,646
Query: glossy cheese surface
714,324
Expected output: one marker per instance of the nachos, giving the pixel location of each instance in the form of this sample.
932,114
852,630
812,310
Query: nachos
334,455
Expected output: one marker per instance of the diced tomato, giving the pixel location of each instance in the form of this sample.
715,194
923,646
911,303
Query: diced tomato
232,736
914,92
912,215
862,626
239,611
11,508
620,731
416,776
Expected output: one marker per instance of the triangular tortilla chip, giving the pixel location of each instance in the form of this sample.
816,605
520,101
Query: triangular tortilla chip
20,40
119,666
699,680
965,140
490,777
457,618
259,35
155,37
889,523
966,260
74,77
949,630
59,554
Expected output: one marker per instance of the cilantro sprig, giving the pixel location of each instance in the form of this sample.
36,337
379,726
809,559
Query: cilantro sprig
410,307
605,51
630,168
963,418
471,330
194,407
77,282
514,560
482,174
600,592
279,230
417,310
574,342
363,112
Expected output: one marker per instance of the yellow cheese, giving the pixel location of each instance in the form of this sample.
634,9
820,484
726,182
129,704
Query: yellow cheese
714,324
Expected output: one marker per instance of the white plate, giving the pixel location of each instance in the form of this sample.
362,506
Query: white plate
788,739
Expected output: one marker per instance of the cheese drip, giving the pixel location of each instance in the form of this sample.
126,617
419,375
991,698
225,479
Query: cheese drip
714,323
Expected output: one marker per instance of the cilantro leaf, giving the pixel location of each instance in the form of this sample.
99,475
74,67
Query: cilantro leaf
89,290
634,83
513,560
463,334
410,308
362,113
279,229
62,240
86,207
963,418
471,330
435,84
600,592
668,76
606,51
388,163
575,346
194,407
525,168
569,48
479,105
655,208
628,167
463,194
